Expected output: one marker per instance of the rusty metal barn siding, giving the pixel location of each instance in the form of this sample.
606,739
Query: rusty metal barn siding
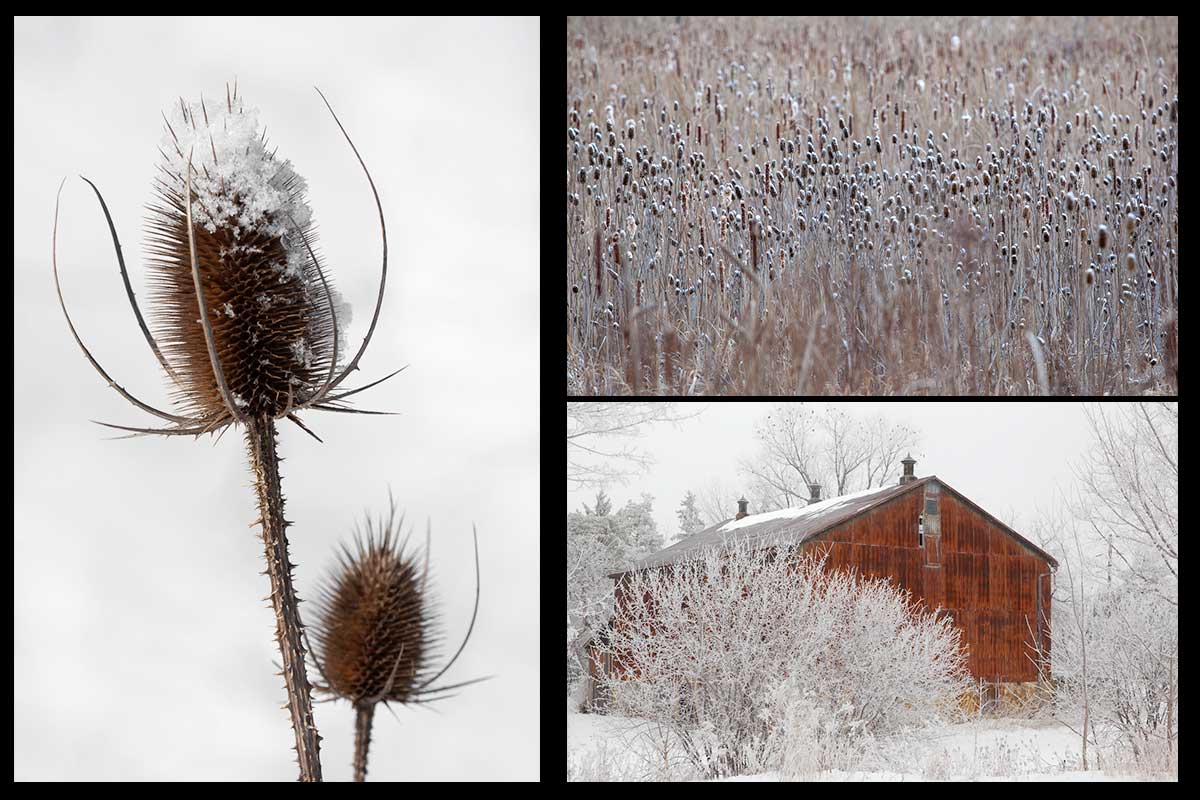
987,581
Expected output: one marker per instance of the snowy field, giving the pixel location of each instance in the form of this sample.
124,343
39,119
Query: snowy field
601,747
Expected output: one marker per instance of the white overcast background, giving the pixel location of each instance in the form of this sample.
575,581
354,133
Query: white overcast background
1011,458
143,644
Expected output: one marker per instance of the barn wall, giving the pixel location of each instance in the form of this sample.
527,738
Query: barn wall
986,580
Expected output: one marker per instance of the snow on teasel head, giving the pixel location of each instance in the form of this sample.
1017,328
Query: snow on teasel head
246,320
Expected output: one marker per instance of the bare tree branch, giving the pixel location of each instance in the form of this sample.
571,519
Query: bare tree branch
600,435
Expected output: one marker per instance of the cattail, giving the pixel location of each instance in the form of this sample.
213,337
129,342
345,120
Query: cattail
599,264
376,627
1102,237
251,329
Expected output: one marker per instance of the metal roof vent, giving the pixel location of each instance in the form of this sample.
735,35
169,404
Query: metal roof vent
742,508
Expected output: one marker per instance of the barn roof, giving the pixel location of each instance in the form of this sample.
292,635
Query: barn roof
796,525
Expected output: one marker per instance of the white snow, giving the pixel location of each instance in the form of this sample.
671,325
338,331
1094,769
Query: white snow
804,511
238,183
302,353
609,747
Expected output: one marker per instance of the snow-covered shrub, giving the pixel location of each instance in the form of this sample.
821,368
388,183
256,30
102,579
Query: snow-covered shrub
754,652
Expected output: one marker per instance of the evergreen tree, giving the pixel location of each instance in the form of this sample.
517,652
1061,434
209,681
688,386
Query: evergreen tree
603,505
689,518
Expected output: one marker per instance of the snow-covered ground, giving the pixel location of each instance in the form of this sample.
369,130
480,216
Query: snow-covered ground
602,747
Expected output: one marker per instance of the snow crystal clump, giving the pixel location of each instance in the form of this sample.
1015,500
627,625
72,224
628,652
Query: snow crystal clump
302,353
239,185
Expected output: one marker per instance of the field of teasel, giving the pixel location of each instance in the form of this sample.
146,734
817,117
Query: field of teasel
882,206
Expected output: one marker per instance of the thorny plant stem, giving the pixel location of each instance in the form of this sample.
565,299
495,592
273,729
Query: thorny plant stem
264,461
362,739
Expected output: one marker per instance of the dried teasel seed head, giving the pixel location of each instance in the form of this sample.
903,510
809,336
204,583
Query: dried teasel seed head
375,629
269,304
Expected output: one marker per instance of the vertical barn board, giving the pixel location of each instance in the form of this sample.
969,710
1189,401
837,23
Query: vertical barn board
984,582
950,542
970,618
858,556
933,580
971,540
950,568
949,512
1027,597
839,558
997,582
913,570
997,541
1012,583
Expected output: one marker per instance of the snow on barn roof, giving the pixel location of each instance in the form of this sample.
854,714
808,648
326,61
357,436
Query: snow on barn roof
787,524
796,525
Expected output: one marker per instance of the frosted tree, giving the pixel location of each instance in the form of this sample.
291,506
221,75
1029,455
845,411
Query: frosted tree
748,655
599,544
689,517
1129,492
1116,620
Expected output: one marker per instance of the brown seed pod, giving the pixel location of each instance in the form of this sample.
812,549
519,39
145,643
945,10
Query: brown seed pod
247,321
270,307
376,627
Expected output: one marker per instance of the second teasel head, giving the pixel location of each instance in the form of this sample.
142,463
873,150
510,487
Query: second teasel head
375,629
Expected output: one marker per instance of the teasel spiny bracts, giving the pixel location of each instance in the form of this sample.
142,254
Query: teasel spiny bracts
246,323
377,628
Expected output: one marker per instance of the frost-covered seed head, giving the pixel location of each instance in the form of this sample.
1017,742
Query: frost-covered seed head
268,307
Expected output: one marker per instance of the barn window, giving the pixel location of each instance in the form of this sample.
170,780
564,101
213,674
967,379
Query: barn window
920,531
931,505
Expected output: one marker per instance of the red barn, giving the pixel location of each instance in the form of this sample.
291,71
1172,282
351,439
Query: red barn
929,539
